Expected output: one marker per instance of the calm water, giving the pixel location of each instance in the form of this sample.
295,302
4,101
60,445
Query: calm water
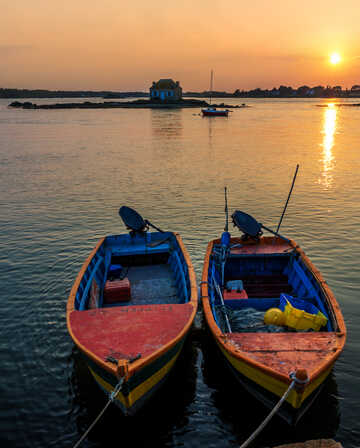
63,176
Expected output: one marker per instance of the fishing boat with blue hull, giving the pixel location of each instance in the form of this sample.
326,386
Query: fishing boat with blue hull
131,308
273,317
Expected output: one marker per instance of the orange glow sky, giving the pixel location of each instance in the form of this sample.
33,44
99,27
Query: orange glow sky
124,45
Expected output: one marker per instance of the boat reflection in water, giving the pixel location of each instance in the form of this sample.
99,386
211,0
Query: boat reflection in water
328,131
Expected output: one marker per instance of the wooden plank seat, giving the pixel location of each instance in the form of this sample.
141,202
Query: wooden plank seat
262,286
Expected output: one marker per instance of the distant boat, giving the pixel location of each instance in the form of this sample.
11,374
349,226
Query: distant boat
245,277
131,308
212,111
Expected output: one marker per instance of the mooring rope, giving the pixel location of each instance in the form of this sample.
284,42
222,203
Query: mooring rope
274,410
111,399
218,289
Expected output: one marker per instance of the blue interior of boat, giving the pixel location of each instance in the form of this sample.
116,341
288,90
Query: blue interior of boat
264,278
152,262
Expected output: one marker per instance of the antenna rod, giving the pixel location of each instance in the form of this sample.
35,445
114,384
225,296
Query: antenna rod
226,212
287,201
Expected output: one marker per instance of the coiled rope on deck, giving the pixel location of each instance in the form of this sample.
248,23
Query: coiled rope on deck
112,397
294,381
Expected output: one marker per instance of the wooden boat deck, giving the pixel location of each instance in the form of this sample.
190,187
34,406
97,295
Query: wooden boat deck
128,331
286,352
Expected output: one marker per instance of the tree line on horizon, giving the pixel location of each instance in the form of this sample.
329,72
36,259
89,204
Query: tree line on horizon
287,92
303,92
281,92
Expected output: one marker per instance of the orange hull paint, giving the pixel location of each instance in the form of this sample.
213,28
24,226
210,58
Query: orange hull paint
124,341
268,358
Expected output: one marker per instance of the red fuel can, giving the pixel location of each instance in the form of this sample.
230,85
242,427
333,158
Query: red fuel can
117,291
233,294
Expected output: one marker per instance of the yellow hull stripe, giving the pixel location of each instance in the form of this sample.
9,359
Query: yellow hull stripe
142,388
148,384
272,384
106,386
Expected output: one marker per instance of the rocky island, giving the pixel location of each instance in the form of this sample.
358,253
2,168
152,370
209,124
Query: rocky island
137,104
163,94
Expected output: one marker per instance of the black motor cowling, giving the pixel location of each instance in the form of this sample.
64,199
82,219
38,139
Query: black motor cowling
247,224
132,220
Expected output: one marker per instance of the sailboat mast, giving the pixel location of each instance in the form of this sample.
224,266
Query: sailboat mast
211,85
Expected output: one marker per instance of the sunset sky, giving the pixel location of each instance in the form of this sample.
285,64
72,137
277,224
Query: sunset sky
125,45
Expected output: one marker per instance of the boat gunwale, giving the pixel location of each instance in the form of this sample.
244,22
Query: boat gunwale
222,339
141,362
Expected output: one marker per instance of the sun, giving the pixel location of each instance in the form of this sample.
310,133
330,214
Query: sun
335,58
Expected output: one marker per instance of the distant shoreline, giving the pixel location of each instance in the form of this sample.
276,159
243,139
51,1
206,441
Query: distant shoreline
281,92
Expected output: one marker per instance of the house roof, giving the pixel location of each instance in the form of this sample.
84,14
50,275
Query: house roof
165,84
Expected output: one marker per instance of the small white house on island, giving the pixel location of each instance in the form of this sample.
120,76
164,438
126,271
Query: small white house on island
165,90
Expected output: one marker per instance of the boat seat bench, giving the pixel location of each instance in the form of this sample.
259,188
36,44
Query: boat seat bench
265,285
260,304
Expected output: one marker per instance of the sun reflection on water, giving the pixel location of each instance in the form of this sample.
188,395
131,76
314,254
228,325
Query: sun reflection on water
328,131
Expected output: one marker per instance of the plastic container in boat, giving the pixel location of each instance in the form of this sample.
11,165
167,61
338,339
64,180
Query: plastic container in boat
233,294
301,315
115,271
117,291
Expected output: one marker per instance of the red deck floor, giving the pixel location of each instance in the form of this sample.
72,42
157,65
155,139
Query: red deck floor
126,331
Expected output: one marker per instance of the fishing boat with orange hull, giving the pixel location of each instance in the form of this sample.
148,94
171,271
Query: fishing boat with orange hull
131,308
243,278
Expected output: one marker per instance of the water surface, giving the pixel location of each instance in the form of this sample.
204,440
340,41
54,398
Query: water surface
63,176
